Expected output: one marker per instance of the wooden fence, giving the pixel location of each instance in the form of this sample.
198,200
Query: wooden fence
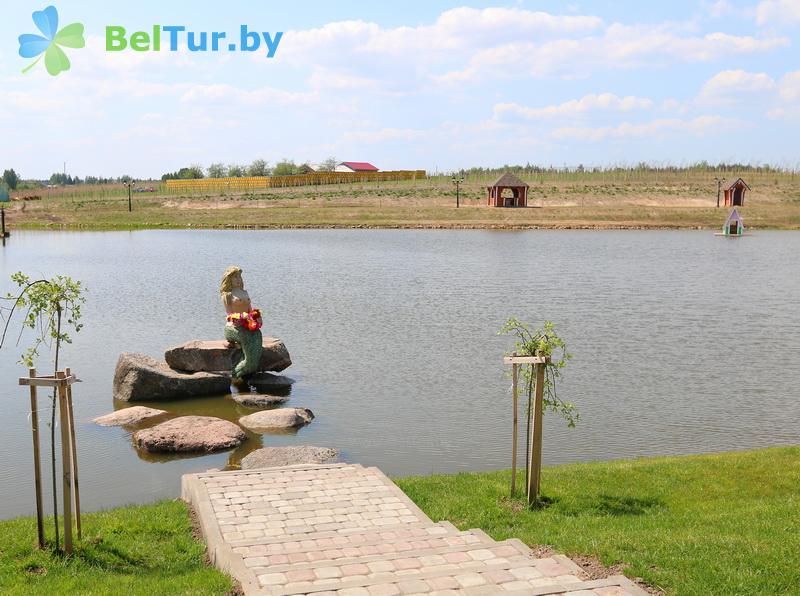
312,179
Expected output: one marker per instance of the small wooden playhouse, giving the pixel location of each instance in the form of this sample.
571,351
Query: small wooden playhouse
734,226
734,193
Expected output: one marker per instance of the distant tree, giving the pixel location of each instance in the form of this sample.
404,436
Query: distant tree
259,167
216,170
125,179
11,179
59,178
285,167
236,171
329,165
193,172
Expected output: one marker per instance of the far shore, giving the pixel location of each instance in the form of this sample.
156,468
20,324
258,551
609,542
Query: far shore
591,204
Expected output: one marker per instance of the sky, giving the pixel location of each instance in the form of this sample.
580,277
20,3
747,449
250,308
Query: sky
413,85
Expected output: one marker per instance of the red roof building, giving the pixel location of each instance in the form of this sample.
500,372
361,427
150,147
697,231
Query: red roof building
356,166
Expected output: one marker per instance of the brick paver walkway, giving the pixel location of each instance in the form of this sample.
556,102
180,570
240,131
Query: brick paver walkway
348,530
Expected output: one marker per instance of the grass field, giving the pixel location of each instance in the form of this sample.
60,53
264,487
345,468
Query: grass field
590,200
709,524
140,550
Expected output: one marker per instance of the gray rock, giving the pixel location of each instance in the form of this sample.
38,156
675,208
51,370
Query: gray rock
281,418
128,416
141,378
215,355
190,434
273,457
259,400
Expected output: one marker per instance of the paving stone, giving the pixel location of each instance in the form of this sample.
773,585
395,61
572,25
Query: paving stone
348,530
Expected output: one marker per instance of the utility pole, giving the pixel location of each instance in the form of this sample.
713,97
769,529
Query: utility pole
719,188
458,181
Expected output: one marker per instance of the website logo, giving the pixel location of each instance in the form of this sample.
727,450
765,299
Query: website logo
50,42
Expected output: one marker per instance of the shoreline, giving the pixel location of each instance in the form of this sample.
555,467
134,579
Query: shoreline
403,226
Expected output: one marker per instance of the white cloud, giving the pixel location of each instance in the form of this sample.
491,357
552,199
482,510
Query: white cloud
778,12
456,29
573,108
231,95
790,87
698,127
720,8
789,96
621,46
731,86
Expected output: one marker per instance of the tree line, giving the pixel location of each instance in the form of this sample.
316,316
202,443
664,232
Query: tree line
12,181
259,167
643,167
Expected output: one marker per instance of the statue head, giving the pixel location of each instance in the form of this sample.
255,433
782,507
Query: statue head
231,279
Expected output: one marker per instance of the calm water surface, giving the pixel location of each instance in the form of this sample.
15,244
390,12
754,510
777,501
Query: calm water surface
683,342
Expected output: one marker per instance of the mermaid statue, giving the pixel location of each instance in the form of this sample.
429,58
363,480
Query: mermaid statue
243,327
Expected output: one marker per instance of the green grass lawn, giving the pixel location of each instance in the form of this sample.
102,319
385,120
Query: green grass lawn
143,550
709,524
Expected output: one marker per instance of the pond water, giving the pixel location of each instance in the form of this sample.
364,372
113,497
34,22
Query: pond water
683,342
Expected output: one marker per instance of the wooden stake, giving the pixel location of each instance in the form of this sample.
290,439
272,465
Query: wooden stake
37,469
535,467
514,379
66,463
74,452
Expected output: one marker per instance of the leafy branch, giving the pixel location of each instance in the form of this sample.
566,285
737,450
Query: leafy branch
543,342
50,306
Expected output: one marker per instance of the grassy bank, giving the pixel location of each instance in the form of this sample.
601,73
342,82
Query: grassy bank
131,550
577,201
711,524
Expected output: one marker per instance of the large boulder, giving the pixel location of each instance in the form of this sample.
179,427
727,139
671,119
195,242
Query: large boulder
282,418
190,434
128,416
215,355
139,377
273,457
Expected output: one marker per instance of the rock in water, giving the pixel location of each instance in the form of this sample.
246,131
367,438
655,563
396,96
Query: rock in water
141,378
190,434
259,400
128,416
277,419
265,381
215,355
272,457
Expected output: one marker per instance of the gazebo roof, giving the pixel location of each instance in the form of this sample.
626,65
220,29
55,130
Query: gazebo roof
510,180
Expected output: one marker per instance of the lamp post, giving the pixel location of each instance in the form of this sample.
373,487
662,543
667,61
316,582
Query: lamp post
129,184
458,181
719,188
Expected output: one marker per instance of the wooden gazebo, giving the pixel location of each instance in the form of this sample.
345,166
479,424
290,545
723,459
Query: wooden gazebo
734,193
516,194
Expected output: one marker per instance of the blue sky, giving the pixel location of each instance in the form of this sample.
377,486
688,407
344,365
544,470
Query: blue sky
427,85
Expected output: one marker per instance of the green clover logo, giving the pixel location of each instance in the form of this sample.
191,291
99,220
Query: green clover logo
55,60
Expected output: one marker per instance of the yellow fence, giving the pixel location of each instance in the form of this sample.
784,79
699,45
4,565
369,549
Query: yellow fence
315,178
